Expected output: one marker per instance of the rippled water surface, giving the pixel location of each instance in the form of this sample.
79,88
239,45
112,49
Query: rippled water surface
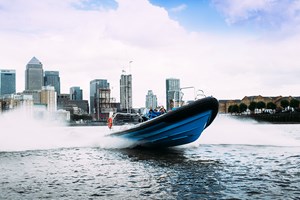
231,160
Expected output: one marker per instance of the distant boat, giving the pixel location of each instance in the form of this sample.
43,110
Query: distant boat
177,127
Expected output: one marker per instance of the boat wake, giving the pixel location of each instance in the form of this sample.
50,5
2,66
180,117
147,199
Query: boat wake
20,132
228,130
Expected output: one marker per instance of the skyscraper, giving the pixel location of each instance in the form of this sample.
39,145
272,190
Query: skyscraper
151,100
126,92
94,86
34,75
75,93
172,92
7,81
52,78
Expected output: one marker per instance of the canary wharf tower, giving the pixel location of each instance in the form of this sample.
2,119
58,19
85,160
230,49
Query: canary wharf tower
34,75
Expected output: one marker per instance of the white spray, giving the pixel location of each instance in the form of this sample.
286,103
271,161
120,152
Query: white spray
229,130
21,131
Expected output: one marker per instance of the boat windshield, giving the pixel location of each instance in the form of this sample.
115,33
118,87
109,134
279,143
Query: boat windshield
126,118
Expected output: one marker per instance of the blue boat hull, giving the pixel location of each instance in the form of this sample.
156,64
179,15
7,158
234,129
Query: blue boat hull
178,127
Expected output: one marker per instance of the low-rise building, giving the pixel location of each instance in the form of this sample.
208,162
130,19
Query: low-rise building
224,104
13,101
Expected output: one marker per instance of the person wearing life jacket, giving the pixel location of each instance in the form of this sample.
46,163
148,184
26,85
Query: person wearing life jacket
162,110
152,113
110,121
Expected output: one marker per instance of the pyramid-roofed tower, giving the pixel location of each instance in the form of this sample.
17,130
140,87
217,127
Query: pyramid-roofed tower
34,75
34,62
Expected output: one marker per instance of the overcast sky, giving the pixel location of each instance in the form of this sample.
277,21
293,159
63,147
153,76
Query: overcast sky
227,48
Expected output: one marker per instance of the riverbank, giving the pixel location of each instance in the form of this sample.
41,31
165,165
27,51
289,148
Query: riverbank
276,118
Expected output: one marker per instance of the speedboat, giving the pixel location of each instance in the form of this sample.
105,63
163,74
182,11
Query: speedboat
176,127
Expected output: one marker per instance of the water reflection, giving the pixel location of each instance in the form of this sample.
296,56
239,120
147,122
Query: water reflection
180,174
170,155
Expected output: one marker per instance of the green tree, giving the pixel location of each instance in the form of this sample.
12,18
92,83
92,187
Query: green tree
243,107
235,108
271,105
284,103
261,105
230,109
252,106
294,103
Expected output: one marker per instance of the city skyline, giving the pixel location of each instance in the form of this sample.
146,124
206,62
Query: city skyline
228,49
36,75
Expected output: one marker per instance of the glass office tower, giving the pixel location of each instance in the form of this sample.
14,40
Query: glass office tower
52,78
75,93
94,86
7,81
34,75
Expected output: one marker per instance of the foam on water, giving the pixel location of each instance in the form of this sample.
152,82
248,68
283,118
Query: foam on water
228,130
20,131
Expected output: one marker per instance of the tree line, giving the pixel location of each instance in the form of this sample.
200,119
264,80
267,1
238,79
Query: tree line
261,106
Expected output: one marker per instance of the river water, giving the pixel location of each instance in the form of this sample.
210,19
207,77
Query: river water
232,159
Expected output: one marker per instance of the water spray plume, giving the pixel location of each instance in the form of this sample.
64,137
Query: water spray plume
21,131
229,130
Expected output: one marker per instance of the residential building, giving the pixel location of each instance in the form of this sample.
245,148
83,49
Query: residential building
225,104
7,81
151,100
12,101
126,92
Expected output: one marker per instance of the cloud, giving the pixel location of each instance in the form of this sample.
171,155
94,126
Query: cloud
142,24
179,8
274,14
87,44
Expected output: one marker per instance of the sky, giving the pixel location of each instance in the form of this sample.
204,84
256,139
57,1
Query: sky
227,48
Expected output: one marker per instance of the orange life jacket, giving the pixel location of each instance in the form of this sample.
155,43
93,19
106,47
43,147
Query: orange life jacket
109,122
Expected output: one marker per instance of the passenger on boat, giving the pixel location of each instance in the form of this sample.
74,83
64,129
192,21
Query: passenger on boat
109,122
162,110
152,114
